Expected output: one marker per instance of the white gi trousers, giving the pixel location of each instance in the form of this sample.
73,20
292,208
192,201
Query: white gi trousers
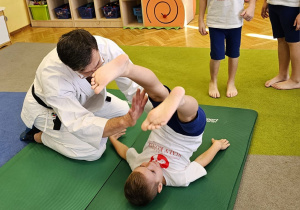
69,145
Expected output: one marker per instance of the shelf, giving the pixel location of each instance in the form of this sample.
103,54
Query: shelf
76,20
181,13
129,19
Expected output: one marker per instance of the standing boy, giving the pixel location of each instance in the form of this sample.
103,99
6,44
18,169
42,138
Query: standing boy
285,20
224,19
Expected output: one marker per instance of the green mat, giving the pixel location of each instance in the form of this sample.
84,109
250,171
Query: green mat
217,190
39,178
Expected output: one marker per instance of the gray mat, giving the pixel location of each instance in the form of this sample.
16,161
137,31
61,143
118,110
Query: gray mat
18,64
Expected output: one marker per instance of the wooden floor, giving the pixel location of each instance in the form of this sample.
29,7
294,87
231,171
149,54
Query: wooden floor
186,37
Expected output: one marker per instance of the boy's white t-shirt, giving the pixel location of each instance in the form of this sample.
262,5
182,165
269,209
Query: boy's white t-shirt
224,14
173,151
288,3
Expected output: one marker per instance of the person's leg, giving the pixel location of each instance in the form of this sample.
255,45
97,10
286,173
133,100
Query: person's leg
232,69
213,90
71,147
78,150
233,43
186,107
294,81
65,143
217,53
275,12
287,16
122,67
284,61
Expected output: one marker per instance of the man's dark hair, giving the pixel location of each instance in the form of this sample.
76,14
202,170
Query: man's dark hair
138,190
75,49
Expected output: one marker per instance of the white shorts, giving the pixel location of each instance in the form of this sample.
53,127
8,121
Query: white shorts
69,145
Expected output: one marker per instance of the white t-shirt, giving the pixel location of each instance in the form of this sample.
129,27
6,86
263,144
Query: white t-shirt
224,14
173,151
288,3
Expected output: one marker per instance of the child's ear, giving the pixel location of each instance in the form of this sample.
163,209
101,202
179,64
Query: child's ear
159,187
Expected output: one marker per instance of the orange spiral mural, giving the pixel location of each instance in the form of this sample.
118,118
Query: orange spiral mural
163,13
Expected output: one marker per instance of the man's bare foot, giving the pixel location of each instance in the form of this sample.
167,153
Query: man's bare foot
161,114
38,137
213,90
274,80
109,72
286,85
231,90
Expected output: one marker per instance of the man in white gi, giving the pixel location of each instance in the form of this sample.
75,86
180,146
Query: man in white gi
61,108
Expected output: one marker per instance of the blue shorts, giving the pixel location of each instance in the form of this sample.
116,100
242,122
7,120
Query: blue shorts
282,19
217,42
192,128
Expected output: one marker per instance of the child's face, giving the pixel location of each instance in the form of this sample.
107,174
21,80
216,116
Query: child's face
151,170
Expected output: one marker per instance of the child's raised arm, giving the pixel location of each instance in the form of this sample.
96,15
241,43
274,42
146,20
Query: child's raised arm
205,158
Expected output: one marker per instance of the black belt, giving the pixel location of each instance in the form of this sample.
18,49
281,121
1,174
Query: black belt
56,121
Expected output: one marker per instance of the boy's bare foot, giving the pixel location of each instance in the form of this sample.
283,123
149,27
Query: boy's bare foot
231,90
161,114
38,137
274,80
213,90
109,72
286,85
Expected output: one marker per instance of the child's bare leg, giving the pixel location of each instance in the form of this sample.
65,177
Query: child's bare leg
294,81
213,84
161,114
187,110
148,80
232,68
186,107
121,67
284,62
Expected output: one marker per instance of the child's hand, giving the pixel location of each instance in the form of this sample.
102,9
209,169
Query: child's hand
202,28
223,143
265,11
116,136
248,13
297,22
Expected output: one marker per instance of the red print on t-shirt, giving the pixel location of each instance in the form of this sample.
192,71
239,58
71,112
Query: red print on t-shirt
162,160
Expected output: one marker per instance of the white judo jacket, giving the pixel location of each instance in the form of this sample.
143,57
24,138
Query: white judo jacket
71,97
